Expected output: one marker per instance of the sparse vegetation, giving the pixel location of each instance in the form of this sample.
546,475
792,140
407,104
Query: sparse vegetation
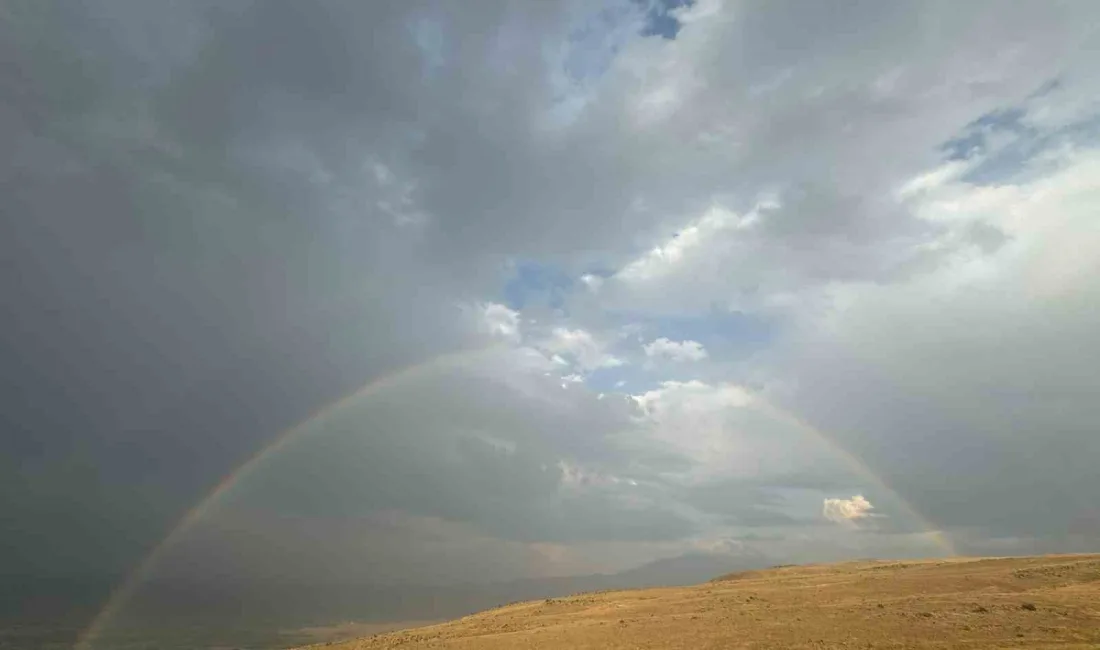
957,603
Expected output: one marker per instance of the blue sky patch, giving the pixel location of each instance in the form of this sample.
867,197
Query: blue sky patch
594,44
659,18
617,379
1011,160
1004,142
427,32
975,138
535,284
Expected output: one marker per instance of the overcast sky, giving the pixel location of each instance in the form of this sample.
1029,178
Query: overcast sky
814,280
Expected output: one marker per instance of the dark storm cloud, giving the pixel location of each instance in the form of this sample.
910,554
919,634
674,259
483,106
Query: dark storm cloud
170,303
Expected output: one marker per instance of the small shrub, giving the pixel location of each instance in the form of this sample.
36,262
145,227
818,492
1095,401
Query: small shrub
1029,607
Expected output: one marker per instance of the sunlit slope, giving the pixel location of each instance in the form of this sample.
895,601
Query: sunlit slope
1033,602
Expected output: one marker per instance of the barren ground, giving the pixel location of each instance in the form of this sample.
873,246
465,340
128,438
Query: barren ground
1030,602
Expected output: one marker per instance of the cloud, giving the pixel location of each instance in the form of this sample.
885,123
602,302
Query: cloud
572,379
720,431
580,347
847,510
675,350
593,282
679,250
498,320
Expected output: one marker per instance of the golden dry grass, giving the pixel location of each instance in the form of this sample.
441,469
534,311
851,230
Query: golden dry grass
1032,602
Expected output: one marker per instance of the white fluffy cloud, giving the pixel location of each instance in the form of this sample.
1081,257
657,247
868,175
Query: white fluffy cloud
847,510
593,282
675,350
499,321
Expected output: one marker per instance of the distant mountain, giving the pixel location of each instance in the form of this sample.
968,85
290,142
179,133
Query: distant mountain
224,611
688,569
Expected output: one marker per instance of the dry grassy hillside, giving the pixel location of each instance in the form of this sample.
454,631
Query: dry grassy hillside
1033,602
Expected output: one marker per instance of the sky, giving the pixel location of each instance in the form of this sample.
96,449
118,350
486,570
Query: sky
606,282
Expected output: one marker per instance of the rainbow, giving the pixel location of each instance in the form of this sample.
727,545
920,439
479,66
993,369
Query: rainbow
860,468
134,579
121,594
